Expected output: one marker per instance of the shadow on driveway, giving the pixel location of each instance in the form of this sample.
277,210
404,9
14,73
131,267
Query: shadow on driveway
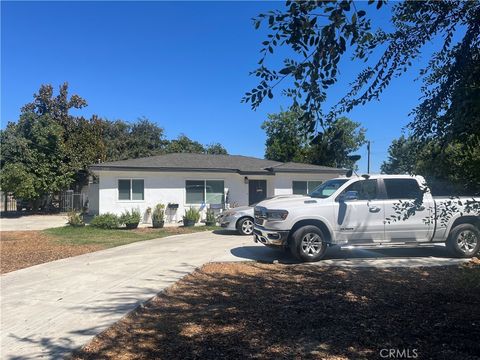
226,232
268,255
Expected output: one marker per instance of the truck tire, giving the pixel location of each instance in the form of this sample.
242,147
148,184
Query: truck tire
307,244
464,240
245,226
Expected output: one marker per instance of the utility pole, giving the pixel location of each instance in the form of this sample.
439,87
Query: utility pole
368,159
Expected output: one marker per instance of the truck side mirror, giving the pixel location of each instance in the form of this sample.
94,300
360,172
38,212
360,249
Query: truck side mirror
348,196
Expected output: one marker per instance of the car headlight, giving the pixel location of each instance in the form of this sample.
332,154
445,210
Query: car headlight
276,215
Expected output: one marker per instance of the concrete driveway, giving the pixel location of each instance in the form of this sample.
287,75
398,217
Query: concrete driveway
32,222
50,309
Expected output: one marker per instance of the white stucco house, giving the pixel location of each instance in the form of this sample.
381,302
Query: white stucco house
184,180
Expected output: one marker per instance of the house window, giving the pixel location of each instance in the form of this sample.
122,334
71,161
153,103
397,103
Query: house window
304,187
130,189
204,191
195,191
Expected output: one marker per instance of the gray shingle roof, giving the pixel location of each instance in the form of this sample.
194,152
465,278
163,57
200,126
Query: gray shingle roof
214,163
293,166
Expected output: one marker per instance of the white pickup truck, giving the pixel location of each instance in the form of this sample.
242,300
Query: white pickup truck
368,211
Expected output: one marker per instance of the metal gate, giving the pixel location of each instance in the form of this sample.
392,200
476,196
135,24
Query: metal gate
8,202
70,201
64,201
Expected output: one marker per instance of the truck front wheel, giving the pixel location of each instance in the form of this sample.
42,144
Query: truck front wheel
307,244
464,240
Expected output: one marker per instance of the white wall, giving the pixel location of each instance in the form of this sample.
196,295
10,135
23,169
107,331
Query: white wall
169,187
93,195
163,187
282,182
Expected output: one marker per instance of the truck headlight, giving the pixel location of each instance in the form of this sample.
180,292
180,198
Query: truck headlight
276,215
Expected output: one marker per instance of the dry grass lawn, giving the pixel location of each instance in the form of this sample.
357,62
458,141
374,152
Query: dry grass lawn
21,249
273,311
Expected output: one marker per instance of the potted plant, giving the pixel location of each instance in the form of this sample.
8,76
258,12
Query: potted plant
158,216
75,219
131,219
210,220
191,217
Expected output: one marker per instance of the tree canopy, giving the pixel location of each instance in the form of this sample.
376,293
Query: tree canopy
337,143
401,156
215,149
36,151
286,141
454,166
183,144
49,149
320,33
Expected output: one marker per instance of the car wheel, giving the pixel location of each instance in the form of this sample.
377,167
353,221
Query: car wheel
307,244
464,240
245,226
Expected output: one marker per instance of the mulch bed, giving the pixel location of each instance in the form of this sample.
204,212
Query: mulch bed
274,311
21,249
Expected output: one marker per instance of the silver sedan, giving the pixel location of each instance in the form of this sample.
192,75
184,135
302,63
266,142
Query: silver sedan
238,219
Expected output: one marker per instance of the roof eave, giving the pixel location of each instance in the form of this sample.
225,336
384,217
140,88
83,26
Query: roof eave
267,171
161,169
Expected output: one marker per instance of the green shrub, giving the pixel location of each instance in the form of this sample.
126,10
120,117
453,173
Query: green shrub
192,214
75,219
106,221
130,217
210,220
159,213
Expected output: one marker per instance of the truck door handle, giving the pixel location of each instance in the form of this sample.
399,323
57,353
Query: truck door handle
374,209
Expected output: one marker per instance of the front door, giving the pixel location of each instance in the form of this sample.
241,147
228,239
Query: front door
361,220
257,191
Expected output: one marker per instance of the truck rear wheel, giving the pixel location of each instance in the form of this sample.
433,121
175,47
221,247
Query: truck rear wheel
307,244
464,240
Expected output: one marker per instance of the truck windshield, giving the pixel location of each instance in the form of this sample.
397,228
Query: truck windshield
327,188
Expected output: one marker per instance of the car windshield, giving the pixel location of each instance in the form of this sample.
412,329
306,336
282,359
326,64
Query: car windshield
327,188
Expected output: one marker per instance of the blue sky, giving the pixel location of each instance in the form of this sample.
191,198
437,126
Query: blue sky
183,65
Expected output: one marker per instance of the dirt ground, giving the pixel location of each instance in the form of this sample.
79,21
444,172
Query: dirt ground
21,249
274,311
